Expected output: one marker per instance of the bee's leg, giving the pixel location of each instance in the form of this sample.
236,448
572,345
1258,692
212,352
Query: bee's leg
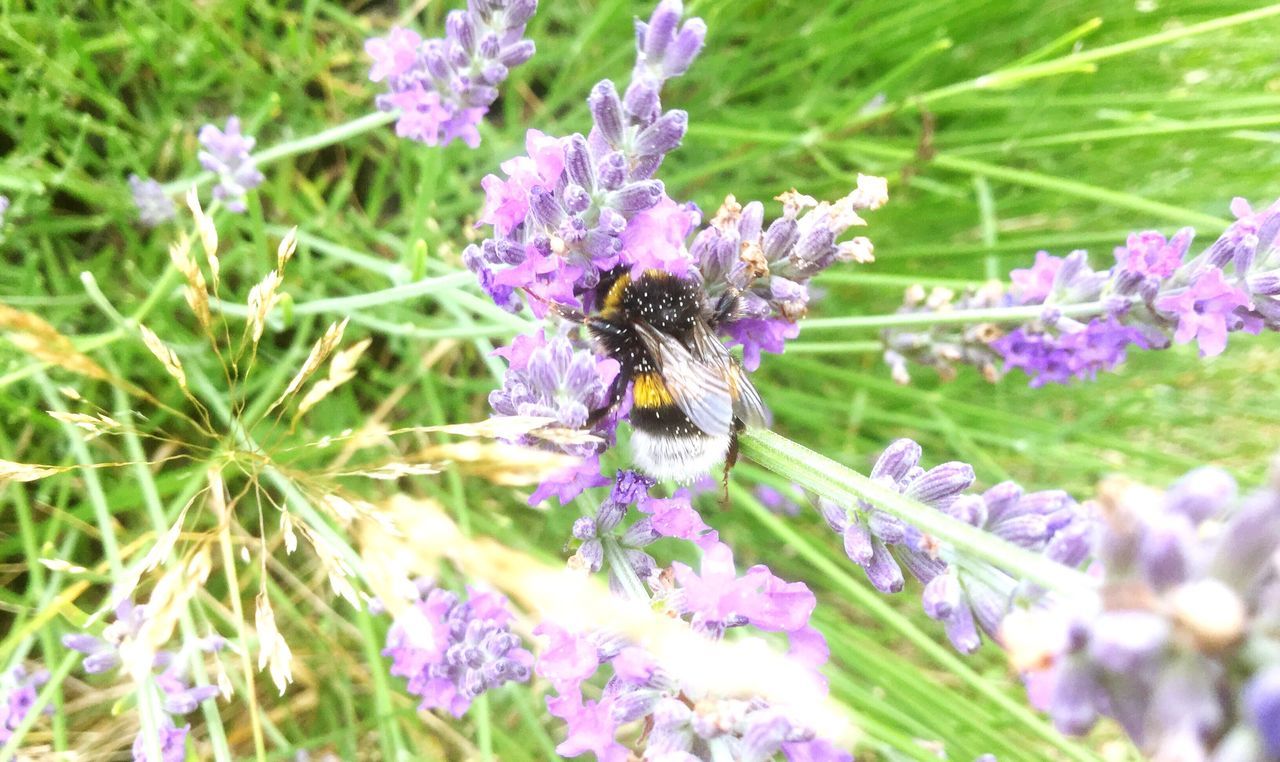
726,307
616,390
730,459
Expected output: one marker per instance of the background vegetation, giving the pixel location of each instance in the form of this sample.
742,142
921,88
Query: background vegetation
1004,128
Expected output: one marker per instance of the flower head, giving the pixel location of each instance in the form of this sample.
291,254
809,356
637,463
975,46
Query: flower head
1204,310
225,152
443,87
452,650
172,739
154,205
1075,351
18,689
1188,600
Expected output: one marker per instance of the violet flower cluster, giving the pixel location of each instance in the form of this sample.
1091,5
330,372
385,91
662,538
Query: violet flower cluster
972,597
578,207
1154,295
18,690
154,205
684,721
170,670
452,650
441,88
593,532
771,267
1182,645
226,153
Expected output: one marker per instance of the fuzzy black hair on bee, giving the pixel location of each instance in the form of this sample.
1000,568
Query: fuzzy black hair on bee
690,397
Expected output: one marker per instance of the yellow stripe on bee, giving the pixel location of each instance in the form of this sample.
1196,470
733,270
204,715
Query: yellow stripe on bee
613,299
649,392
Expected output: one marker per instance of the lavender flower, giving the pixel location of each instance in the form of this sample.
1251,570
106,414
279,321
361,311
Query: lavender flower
18,690
594,531
173,743
443,87
226,153
4,209
576,207
154,205
772,267
1180,646
1153,296
967,598
170,670
685,721
453,650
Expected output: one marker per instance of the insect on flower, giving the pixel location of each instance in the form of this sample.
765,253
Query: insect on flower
690,397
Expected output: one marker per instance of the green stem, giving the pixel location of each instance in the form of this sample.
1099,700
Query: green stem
846,487
988,315
335,134
621,569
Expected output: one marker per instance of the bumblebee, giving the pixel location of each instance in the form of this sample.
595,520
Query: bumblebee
690,397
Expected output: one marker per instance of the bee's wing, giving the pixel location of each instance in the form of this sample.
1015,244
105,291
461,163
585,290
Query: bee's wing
699,388
747,405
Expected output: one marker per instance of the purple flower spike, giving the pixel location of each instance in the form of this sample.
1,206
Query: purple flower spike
18,690
173,743
226,153
443,87
154,205
452,650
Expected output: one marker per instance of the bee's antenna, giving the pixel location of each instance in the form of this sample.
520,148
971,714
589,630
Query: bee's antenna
566,313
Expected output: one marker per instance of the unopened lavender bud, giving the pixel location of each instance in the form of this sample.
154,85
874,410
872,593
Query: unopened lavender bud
941,482
751,221
494,72
896,460
1164,551
641,563
1072,545
1073,708
612,171
942,596
520,11
685,48
664,134
590,556
1262,701
1201,493
514,55
889,529
641,100
814,247
545,208
584,528
1265,284
458,27
971,509
1026,530
661,28
640,534
609,516
606,111
637,197
835,515
883,572
858,543
780,238
576,200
